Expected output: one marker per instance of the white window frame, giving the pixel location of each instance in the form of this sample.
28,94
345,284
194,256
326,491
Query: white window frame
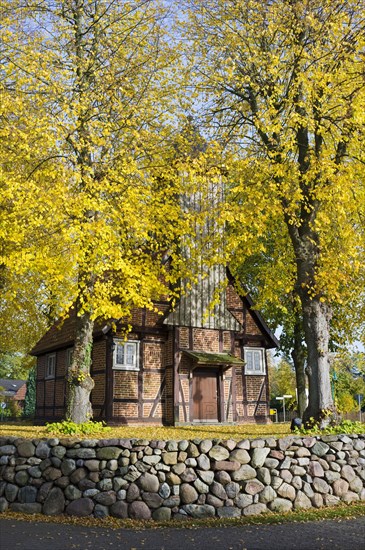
69,353
51,365
125,344
255,361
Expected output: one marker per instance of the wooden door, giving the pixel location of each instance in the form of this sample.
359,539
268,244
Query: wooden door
205,396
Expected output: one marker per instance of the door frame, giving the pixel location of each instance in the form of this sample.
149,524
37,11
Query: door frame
218,371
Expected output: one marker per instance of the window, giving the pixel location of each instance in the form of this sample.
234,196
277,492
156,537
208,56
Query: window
254,361
69,353
51,366
126,355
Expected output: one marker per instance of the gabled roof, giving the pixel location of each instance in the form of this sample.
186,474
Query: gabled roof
11,387
247,300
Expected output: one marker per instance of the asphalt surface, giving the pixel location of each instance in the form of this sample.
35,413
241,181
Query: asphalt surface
321,535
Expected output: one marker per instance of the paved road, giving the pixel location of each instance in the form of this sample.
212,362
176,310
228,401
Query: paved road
321,535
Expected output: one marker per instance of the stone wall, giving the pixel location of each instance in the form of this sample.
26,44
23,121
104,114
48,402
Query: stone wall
165,480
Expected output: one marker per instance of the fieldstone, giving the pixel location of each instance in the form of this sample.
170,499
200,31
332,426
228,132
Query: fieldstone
108,453
153,500
162,514
245,472
172,502
320,485
68,466
258,456
83,453
101,511
331,500
26,449
152,460
51,474
188,493
244,444
105,484
347,472
228,512
356,485
298,470
232,489
72,492
170,458
253,486
42,450
173,479
279,455
106,498
59,451
280,505
226,465
257,443
240,455
78,475
276,481
183,445
206,476
44,490
139,510
302,501
55,502
263,475
218,490
286,491
188,475
3,505
222,477
172,445
218,453
192,450
164,491
199,510
271,463
201,487
7,450
203,462
133,492
149,482
214,501
90,493
27,494
287,462
255,509
81,507
316,500
302,452
331,476
11,492
340,487
26,508
286,475
191,462
119,509
303,461
178,469
267,495
205,446
350,497
320,448
21,478
284,443
315,469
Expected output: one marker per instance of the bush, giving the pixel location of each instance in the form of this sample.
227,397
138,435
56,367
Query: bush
70,428
344,427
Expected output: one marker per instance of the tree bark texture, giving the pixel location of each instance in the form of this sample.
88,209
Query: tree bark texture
299,355
80,383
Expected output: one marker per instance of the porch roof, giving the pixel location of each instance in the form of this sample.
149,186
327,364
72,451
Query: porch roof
203,358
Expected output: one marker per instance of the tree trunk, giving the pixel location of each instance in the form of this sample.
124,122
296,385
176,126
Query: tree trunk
80,383
316,321
299,355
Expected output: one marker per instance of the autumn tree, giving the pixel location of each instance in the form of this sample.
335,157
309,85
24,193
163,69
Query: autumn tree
283,83
96,80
